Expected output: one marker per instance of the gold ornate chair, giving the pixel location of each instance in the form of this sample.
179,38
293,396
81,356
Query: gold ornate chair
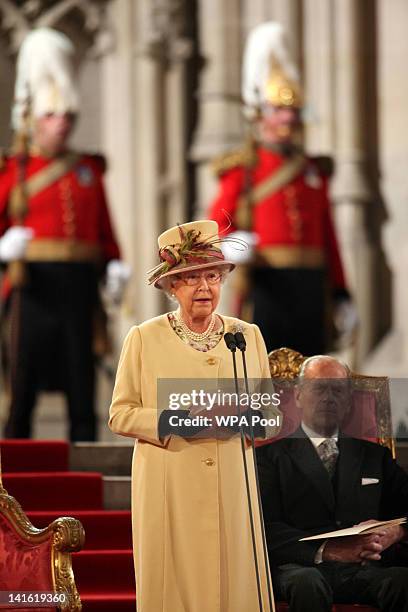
38,560
370,420
371,417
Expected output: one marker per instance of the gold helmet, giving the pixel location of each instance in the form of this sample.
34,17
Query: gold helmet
281,90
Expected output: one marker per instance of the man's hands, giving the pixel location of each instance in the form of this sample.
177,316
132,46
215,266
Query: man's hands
118,273
346,321
353,549
13,243
357,549
391,535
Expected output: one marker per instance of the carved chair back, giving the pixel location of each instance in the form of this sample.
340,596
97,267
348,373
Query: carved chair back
370,418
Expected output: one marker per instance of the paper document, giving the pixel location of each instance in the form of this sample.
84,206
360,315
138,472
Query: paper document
356,530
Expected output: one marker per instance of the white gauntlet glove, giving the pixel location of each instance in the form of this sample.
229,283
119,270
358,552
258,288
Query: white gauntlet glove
346,322
13,243
345,316
117,276
241,250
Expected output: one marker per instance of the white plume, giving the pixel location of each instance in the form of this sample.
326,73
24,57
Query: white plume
266,45
45,75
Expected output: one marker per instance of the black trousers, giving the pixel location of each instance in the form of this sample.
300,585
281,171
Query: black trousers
315,589
290,308
49,345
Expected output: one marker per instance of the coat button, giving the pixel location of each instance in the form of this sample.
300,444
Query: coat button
209,462
211,361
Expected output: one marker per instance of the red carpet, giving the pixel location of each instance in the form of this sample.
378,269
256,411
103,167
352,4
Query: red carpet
40,456
36,474
104,529
56,490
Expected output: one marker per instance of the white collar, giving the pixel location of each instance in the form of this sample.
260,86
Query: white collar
315,438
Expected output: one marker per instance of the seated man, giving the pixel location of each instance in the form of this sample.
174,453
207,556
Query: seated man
317,481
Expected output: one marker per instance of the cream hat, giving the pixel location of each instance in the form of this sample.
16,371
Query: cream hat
190,246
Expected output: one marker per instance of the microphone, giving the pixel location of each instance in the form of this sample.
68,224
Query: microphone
241,344
230,341
240,341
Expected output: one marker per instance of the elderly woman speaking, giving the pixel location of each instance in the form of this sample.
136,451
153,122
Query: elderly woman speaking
191,528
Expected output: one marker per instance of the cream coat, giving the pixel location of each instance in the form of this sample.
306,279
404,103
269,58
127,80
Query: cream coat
191,530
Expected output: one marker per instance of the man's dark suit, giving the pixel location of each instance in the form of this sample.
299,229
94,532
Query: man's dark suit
300,499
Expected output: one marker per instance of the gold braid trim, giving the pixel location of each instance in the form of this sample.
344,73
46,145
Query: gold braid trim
245,156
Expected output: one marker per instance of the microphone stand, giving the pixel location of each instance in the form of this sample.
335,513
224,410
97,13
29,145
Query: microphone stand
241,344
232,346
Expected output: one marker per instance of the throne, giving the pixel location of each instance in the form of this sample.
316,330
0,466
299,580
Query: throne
370,418
37,561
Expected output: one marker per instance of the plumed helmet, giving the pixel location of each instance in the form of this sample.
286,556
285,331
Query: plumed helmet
45,81
269,73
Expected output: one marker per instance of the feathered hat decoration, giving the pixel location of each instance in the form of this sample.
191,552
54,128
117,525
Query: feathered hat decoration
45,76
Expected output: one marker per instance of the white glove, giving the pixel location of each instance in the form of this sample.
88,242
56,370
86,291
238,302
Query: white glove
117,276
14,242
240,249
346,317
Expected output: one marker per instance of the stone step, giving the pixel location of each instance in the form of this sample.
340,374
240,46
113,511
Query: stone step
116,492
117,489
111,459
115,459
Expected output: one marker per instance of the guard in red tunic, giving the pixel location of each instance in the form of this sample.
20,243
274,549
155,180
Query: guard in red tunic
275,198
57,241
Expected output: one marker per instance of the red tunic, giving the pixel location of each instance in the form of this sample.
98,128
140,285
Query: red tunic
296,215
72,208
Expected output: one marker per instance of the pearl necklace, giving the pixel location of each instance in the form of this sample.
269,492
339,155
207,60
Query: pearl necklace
196,337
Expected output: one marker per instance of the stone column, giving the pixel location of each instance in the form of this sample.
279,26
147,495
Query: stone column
354,191
289,14
318,76
255,12
174,183
221,121
392,357
118,143
159,52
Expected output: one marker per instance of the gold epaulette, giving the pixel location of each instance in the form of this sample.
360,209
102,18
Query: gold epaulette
324,164
245,156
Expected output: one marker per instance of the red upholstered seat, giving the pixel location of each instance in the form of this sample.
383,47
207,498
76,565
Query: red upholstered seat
24,566
37,559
